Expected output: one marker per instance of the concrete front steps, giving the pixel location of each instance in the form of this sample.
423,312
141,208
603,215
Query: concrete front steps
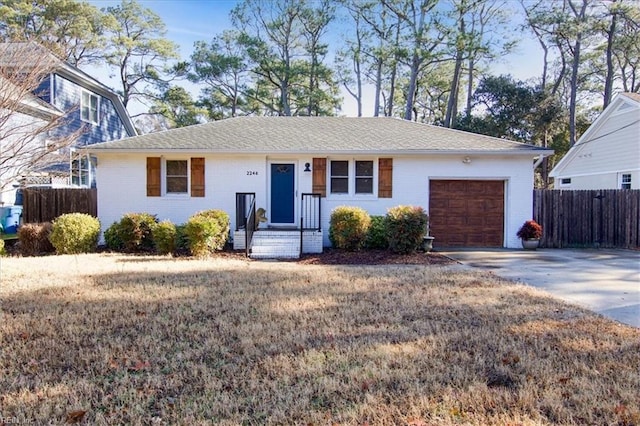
275,245
279,244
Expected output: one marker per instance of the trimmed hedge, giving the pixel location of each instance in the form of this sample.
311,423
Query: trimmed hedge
377,234
348,227
134,233
207,231
75,233
164,237
34,238
406,228
182,240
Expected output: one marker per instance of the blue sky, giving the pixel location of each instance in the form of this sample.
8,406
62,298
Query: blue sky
188,21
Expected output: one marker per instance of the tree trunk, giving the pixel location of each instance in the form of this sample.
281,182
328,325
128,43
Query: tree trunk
411,90
394,73
575,68
452,103
467,109
376,111
359,87
608,82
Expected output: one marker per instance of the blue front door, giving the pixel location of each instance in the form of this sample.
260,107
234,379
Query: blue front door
282,193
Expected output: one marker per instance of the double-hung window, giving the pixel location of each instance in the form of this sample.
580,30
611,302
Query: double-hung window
89,107
177,176
625,181
352,177
339,177
364,177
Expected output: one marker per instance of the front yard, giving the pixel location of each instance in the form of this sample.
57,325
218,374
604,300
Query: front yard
116,339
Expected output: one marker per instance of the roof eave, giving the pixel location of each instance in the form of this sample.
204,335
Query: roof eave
528,152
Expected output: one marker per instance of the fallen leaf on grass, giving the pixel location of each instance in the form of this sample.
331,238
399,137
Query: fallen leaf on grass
75,416
140,365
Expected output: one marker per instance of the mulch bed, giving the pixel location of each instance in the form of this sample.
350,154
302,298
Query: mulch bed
373,257
363,257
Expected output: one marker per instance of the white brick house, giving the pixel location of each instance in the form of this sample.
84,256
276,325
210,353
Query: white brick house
477,189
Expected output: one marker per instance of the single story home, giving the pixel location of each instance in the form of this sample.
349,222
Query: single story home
478,190
607,155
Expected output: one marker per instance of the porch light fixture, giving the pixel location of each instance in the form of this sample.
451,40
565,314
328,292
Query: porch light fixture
466,160
307,167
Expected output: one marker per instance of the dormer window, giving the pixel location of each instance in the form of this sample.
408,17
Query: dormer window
89,107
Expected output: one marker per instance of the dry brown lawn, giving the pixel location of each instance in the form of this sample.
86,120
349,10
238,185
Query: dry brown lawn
112,339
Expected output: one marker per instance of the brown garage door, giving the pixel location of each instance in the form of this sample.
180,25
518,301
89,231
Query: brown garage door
467,213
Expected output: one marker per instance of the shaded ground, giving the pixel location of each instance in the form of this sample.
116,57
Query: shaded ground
106,339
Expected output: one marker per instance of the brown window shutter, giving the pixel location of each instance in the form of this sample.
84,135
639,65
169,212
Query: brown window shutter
385,177
154,176
320,176
197,177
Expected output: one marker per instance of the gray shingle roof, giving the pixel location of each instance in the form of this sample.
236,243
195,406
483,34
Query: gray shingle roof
315,135
631,95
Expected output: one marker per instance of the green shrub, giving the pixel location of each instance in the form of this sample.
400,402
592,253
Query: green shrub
2,251
348,227
182,240
75,233
133,233
135,230
34,238
112,237
406,227
207,231
164,237
377,234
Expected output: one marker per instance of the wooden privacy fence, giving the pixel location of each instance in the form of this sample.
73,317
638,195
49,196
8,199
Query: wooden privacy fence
588,218
45,204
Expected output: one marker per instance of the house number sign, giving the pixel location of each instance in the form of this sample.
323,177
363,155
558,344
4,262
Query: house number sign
252,173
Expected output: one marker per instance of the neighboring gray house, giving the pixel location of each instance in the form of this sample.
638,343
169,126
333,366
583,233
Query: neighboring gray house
478,190
88,105
607,156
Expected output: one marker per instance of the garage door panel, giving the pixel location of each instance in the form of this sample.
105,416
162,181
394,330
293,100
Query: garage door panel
495,205
493,222
467,213
456,221
439,204
476,206
457,204
475,239
475,186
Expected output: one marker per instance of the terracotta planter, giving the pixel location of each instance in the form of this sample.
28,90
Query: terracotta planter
530,244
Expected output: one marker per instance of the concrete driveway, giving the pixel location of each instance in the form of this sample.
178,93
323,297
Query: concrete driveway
604,281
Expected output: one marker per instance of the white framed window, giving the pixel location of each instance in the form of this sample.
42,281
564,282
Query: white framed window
625,181
565,182
177,176
364,177
339,177
89,106
355,177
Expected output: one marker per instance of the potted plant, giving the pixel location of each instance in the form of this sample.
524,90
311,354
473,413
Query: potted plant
530,233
